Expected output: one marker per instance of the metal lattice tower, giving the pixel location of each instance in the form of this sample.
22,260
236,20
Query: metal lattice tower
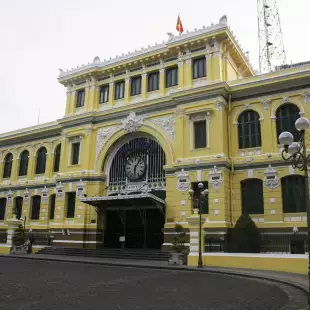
271,47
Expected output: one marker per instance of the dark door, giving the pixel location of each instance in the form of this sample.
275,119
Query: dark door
155,222
114,228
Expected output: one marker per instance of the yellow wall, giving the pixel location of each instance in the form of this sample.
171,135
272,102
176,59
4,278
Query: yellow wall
284,263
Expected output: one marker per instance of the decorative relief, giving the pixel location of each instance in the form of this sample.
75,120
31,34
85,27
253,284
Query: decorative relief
26,195
9,197
215,178
102,136
59,191
179,112
80,189
183,181
44,193
306,97
266,102
166,123
219,104
271,179
132,123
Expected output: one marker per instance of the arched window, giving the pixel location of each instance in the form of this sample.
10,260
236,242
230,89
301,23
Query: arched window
286,117
249,130
293,194
35,208
18,206
52,206
8,165
2,208
57,158
252,196
41,160
23,165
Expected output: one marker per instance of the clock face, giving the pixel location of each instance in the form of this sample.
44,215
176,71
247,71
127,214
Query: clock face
135,168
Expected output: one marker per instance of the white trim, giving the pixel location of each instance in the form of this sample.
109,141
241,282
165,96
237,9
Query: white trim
168,243
260,255
75,241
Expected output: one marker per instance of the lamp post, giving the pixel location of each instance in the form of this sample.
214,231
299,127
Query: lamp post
296,154
202,195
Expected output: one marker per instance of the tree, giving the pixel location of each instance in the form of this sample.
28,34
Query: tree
19,236
178,241
244,237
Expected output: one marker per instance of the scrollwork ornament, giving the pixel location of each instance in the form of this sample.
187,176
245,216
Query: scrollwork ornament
183,181
166,123
306,97
132,123
271,179
215,178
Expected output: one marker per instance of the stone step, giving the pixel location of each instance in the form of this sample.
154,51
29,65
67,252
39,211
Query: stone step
108,253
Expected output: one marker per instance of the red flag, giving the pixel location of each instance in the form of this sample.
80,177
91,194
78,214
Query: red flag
179,26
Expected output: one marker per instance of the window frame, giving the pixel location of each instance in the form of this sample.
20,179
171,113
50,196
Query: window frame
3,208
20,201
169,77
247,122
201,72
57,155
280,120
73,144
203,143
80,98
7,167
291,194
195,188
117,89
23,163
35,213
152,83
70,213
41,162
105,87
249,191
134,90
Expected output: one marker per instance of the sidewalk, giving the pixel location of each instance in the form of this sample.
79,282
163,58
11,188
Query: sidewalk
297,280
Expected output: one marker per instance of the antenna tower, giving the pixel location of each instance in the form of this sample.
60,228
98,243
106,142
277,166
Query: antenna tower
271,47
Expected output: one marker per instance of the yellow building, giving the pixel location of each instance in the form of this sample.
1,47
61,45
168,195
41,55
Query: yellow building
143,128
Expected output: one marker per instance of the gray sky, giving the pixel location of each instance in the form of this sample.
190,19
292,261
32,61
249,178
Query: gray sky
39,36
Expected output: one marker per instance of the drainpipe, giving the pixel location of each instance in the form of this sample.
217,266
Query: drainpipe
230,155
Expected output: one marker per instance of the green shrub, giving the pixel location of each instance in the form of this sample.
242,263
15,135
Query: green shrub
244,237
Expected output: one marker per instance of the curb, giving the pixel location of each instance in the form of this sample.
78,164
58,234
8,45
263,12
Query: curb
133,265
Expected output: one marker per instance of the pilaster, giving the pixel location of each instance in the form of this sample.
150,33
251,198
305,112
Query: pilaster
188,79
127,90
63,154
49,162
72,102
209,67
180,73
111,94
162,79
31,165
90,95
44,208
144,86
217,69
15,166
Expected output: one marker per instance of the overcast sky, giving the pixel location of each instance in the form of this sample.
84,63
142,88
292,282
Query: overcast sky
39,36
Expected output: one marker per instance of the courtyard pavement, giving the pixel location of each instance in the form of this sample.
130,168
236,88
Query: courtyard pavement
37,283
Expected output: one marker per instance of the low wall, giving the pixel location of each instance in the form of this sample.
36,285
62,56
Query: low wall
4,249
295,263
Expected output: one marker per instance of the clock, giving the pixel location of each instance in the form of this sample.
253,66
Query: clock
135,168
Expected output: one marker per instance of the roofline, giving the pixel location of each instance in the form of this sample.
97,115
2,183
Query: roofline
97,64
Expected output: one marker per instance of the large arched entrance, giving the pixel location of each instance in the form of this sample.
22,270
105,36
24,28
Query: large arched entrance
134,206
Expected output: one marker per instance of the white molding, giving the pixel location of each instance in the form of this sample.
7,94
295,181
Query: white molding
75,241
260,255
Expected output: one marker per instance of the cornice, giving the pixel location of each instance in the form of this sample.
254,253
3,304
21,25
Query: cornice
97,64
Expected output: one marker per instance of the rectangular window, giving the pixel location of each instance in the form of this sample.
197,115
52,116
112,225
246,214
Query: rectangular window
202,203
104,94
119,90
199,67
52,206
200,134
70,204
80,98
35,210
153,81
2,208
135,86
75,153
172,77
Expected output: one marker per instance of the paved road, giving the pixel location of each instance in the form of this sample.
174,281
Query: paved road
26,284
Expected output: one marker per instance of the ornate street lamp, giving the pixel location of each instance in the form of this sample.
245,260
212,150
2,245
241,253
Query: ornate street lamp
296,154
197,204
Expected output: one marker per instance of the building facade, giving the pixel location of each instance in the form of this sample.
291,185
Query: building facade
142,129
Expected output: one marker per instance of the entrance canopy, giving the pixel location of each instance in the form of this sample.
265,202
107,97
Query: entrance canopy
143,199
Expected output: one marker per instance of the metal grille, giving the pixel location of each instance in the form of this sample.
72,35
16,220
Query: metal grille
149,150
